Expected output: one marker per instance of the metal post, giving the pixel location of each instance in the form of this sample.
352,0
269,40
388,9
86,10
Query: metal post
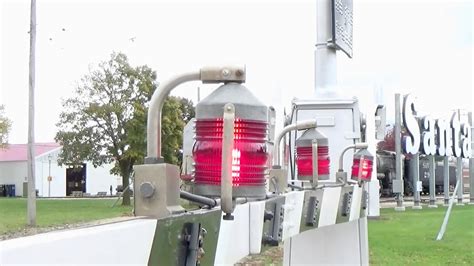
459,179
471,181
31,204
471,162
448,213
373,187
432,203
398,153
446,180
49,175
324,56
415,170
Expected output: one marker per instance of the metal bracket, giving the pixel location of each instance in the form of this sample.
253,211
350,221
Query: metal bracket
365,200
194,241
345,203
186,239
278,180
273,221
311,209
156,188
227,205
314,153
223,74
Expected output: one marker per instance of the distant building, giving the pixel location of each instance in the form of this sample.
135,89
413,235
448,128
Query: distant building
64,180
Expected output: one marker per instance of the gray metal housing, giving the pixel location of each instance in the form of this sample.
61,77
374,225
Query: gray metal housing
247,107
337,117
306,139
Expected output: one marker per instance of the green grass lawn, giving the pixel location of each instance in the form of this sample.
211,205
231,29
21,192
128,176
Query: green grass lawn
408,238
57,212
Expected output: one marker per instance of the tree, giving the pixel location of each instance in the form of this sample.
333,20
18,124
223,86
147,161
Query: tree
172,129
188,111
5,125
105,122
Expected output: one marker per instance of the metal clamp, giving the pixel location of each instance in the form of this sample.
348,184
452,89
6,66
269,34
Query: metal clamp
227,205
314,151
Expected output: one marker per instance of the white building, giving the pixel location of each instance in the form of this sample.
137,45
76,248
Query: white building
63,179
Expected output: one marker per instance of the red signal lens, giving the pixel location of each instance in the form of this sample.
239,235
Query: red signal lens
249,156
362,168
304,161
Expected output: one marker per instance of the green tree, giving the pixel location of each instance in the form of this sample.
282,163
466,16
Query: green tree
172,129
5,125
105,122
188,111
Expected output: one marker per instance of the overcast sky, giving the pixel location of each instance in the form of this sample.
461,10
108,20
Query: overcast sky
422,47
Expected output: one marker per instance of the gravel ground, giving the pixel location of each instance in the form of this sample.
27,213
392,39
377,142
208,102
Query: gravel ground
28,231
271,256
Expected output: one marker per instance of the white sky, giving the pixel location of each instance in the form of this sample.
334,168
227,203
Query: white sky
423,47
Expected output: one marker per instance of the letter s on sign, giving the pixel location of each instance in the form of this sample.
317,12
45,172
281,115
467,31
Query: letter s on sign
466,142
410,143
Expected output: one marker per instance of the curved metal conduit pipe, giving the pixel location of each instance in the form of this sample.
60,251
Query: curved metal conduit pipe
154,113
206,75
357,146
306,124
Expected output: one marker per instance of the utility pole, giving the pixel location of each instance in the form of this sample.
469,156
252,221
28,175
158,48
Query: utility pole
415,165
446,179
432,180
31,205
325,54
459,170
398,182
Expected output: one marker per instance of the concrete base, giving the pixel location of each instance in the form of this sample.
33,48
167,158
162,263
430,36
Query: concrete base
446,205
432,206
459,204
418,207
471,203
400,209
